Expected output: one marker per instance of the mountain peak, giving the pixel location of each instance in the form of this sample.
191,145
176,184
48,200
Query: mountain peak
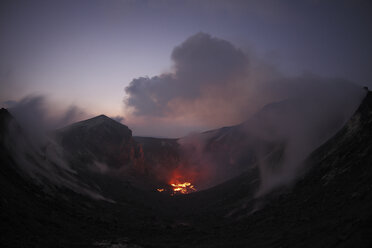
102,117
100,139
98,121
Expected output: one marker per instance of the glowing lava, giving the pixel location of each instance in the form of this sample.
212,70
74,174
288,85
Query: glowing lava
180,182
183,188
179,188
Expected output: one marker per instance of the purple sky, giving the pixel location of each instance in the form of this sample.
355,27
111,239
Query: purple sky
87,52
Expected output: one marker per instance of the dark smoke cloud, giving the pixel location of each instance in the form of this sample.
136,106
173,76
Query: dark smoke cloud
202,65
213,83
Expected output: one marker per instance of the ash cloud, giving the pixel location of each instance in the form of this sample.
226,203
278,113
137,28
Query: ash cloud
217,84
203,67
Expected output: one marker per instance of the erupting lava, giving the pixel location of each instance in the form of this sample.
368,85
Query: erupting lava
179,188
179,183
183,188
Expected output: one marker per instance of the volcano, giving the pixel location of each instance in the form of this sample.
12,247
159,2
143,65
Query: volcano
95,185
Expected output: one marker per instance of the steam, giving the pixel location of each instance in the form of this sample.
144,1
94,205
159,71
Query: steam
213,83
118,118
36,153
196,162
290,130
37,115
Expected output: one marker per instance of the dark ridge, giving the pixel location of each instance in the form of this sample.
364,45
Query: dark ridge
97,120
5,118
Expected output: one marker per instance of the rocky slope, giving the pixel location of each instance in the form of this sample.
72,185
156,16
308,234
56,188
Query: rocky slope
329,206
103,140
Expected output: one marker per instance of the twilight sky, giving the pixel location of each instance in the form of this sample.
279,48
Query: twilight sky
95,54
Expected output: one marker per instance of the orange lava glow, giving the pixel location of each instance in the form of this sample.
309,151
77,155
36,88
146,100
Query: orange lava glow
180,181
183,188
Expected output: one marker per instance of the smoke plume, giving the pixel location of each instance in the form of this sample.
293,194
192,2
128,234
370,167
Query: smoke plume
37,115
28,140
213,83
207,75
